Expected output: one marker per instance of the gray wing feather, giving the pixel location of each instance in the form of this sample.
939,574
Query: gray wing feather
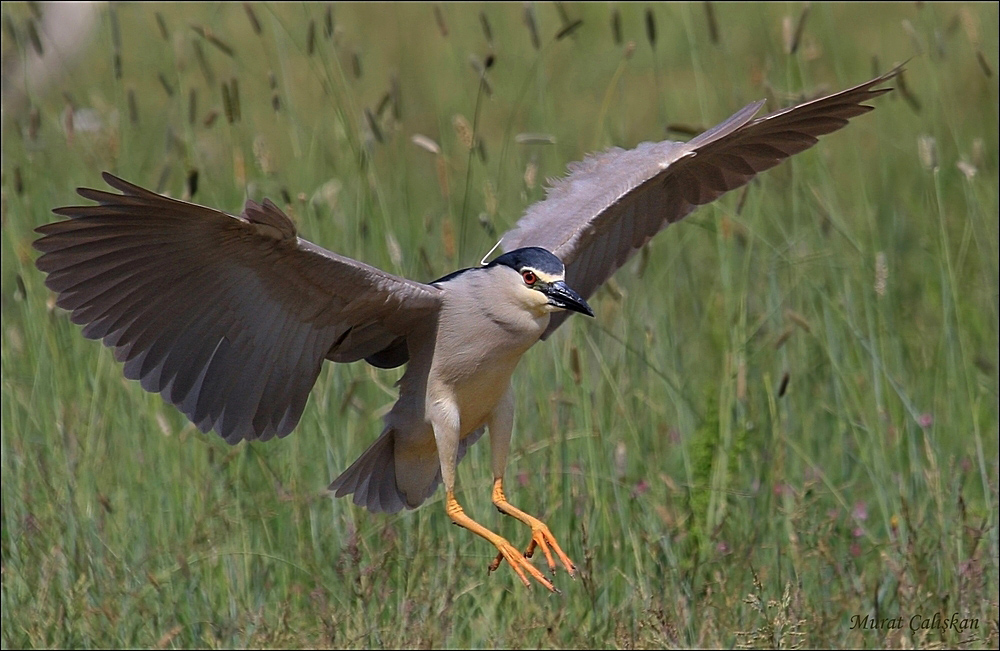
612,203
229,318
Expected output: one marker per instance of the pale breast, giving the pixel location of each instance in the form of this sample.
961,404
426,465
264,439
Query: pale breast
477,362
476,347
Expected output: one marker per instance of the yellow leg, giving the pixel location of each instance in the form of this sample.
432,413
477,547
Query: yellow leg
540,534
507,550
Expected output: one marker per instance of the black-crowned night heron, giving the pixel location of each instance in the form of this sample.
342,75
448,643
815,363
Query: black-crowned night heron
231,318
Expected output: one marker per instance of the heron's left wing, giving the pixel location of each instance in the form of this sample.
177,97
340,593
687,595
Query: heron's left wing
612,203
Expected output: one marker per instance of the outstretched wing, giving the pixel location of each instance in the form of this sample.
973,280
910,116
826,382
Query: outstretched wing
229,318
613,202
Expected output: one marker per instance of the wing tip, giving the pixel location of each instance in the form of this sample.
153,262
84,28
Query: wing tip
115,182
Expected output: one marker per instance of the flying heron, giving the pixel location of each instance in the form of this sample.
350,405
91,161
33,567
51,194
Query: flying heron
230,318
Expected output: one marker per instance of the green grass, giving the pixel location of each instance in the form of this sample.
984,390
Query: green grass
703,506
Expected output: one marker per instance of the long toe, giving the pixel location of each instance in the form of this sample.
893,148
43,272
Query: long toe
521,566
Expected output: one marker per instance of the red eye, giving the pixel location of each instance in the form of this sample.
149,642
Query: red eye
529,277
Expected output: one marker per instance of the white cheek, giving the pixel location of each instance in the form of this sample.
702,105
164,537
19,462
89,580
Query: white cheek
534,299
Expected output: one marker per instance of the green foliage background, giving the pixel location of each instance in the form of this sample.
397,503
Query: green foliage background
704,504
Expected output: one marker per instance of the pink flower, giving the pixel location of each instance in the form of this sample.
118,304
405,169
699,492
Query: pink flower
926,420
860,511
641,487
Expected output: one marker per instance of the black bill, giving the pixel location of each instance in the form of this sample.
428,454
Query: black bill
560,295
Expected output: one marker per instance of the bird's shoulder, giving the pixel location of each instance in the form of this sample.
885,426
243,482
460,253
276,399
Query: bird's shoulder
452,276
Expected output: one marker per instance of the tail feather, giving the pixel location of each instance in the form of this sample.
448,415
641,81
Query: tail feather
372,478
390,475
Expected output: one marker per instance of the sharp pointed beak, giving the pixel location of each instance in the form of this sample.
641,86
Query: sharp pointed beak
560,295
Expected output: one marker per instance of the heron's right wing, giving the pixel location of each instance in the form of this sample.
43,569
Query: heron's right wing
229,318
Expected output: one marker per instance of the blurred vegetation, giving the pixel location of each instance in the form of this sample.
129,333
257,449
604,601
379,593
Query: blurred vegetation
795,425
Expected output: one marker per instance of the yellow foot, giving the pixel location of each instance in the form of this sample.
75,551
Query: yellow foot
520,565
541,536
514,557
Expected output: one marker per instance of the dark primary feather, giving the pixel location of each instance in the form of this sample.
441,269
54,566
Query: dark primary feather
229,318
611,204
